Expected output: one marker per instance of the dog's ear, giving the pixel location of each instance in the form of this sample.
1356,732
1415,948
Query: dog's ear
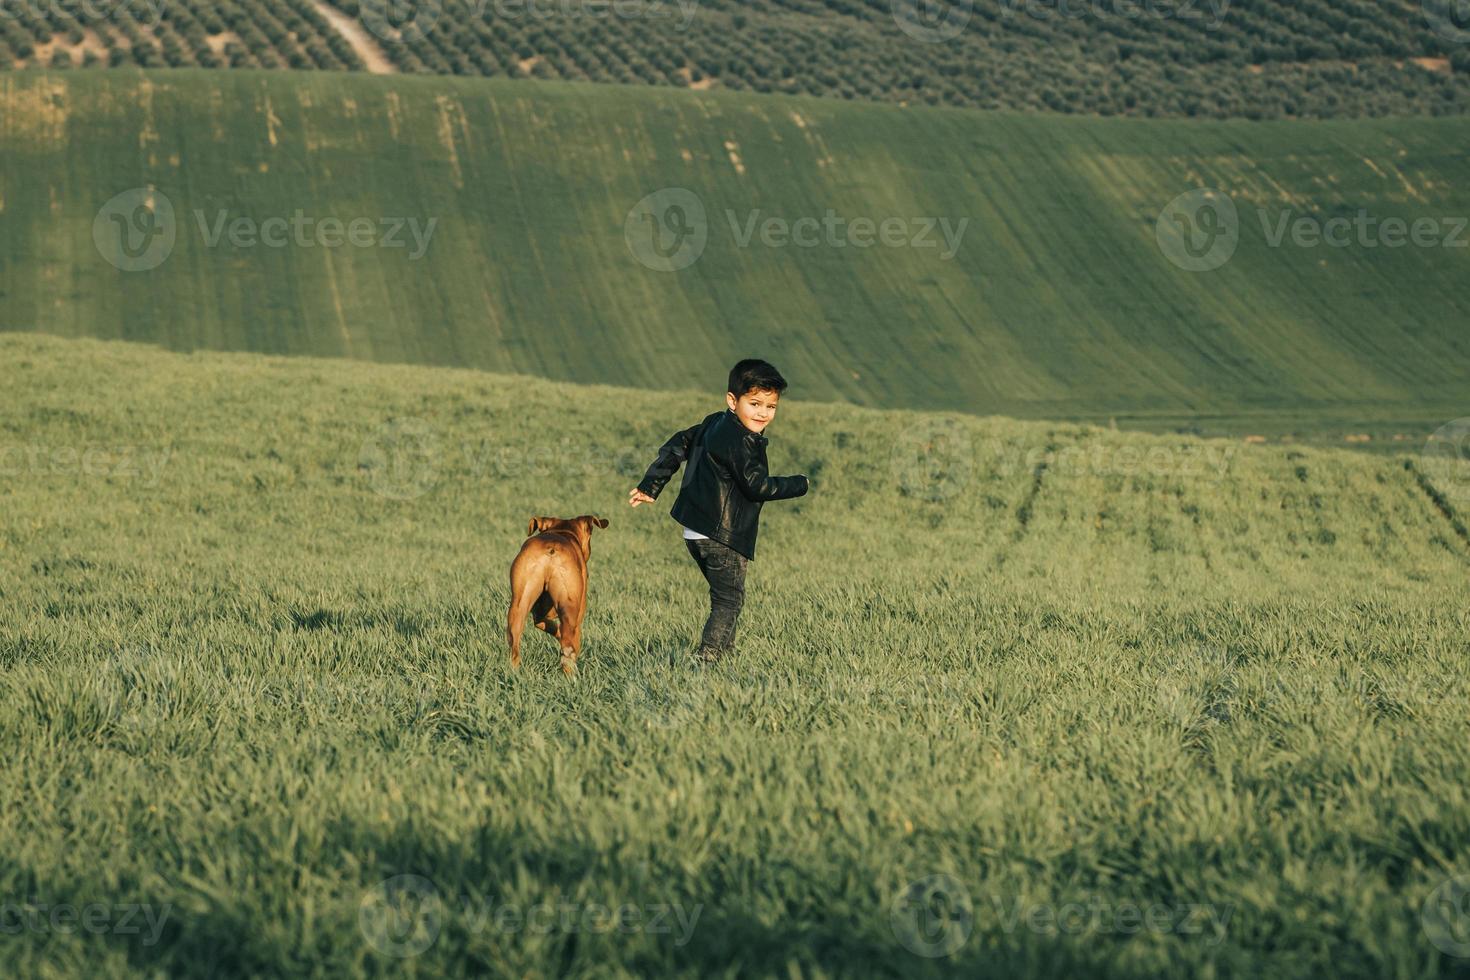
600,521
593,521
535,526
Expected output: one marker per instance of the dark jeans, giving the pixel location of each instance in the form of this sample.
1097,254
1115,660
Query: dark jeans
724,570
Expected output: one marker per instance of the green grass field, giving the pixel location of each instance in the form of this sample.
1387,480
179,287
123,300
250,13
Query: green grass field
1154,705
1058,301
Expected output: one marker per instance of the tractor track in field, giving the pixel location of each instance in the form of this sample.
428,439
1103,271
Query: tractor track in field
1439,501
1038,476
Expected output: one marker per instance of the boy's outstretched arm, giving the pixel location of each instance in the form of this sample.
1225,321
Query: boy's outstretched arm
751,476
670,455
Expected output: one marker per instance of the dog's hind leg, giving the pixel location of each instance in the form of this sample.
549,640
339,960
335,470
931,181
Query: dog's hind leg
520,604
515,622
570,596
543,615
571,646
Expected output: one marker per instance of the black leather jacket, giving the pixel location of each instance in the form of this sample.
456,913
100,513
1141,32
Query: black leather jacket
725,481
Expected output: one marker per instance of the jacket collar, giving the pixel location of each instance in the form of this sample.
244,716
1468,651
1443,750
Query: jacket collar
740,426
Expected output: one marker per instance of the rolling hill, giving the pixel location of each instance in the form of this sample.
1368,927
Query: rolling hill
1031,266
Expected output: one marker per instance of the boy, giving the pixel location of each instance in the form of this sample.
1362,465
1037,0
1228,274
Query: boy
725,483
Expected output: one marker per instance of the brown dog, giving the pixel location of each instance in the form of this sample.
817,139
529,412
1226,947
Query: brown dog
548,579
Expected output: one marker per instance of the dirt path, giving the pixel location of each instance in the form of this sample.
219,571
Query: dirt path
362,42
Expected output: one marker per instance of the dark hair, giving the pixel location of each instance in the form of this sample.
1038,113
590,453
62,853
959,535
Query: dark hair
752,374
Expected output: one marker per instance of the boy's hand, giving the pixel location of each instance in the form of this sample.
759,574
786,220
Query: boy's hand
636,497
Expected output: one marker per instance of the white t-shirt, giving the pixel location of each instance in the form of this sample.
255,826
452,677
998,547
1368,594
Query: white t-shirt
693,535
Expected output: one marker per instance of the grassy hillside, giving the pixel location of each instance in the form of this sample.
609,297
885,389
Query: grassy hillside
1054,298
251,670
1209,58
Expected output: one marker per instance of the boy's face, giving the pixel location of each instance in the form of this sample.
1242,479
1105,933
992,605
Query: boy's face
755,409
